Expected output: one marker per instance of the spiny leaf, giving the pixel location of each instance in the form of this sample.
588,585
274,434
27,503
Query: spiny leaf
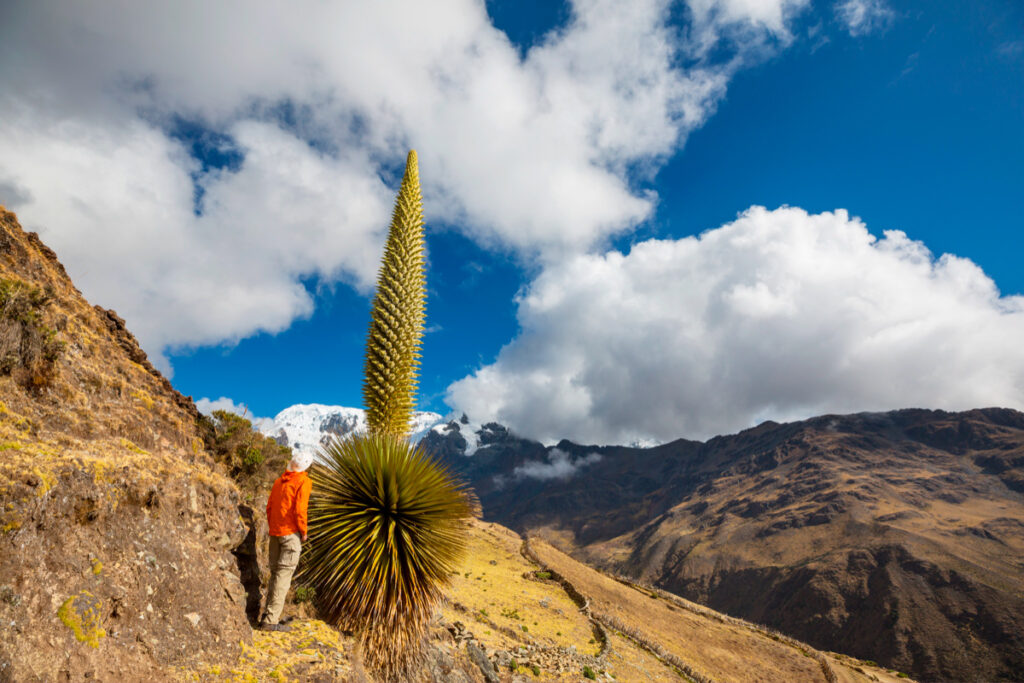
387,530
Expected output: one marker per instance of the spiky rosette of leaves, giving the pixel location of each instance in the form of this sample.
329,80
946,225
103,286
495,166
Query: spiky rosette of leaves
387,530
396,324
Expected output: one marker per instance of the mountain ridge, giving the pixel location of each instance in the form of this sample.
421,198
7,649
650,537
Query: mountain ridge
890,533
306,427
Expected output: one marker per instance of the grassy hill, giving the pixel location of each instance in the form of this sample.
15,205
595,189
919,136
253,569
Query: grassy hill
530,612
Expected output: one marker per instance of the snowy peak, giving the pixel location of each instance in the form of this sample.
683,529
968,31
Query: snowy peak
307,426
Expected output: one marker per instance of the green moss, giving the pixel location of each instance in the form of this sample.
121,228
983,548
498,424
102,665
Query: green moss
82,614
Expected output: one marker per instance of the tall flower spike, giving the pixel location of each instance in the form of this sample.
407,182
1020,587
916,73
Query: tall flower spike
396,324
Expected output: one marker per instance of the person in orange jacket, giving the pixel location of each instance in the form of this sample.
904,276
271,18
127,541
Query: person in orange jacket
286,517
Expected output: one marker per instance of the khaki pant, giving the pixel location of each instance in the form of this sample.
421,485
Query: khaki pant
284,557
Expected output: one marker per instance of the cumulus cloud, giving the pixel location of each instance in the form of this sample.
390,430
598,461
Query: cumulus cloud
559,466
319,101
207,407
779,315
862,17
117,207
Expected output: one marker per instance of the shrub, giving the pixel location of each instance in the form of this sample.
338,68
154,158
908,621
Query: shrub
535,669
589,673
304,594
253,460
543,575
28,348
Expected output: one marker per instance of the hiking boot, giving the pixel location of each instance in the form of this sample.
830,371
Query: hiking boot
275,627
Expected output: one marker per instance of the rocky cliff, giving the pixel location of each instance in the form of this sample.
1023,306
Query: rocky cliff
116,528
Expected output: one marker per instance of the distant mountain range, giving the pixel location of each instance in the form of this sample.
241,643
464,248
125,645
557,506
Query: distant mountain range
306,427
896,536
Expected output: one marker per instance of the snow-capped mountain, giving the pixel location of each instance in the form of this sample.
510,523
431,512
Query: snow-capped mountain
466,436
305,427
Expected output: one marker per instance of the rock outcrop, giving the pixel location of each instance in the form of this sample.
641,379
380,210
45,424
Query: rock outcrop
116,527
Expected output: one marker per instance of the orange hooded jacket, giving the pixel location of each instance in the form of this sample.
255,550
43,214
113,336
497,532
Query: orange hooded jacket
286,508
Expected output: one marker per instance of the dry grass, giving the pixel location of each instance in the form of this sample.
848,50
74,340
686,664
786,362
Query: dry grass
311,649
717,647
95,389
496,600
630,662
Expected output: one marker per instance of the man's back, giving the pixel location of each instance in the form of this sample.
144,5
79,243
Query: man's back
286,519
286,507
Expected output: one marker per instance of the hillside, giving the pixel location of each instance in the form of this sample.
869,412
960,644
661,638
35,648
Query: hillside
522,613
129,552
896,537
116,528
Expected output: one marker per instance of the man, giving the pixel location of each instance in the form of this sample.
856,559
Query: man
286,517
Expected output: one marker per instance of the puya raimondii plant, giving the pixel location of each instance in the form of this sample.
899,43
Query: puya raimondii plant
387,523
396,323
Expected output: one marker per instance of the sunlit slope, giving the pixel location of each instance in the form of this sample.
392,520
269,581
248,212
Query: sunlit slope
708,645
528,625
526,628
554,619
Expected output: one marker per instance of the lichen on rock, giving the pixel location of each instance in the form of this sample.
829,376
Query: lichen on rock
83,614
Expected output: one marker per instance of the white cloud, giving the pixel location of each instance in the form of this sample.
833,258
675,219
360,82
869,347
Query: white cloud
116,204
779,315
207,407
558,466
862,17
531,153
749,22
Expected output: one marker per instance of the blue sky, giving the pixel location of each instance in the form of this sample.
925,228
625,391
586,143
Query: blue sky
910,120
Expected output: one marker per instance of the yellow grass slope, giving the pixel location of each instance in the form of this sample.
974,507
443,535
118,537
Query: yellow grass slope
704,644
525,616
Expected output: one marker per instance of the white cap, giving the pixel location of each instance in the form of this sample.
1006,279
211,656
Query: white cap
300,462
